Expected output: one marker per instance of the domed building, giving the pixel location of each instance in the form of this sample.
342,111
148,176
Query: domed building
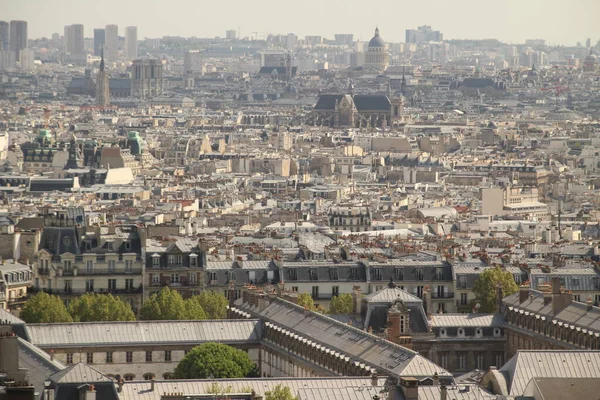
377,56
590,64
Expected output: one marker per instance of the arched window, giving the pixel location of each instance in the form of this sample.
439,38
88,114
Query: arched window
129,377
148,376
168,375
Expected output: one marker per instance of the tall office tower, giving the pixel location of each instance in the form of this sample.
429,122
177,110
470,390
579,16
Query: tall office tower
111,42
74,40
146,78
18,37
131,42
98,42
231,34
5,35
102,88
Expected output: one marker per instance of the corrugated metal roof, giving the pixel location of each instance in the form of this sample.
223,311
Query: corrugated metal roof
467,320
526,365
460,392
143,332
79,373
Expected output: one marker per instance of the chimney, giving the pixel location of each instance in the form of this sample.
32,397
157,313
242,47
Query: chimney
559,300
523,294
152,385
590,303
410,388
436,379
443,392
374,380
427,301
51,354
90,394
555,285
357,297
120,388
499,297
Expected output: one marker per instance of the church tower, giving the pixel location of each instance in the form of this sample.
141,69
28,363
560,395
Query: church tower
102,89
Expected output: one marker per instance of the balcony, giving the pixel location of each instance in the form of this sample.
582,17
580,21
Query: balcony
103,271
447,295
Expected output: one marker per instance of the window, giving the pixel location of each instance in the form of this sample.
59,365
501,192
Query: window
168,355
335,291
148,356
213,277
110,246
399,274
293,274
355,274
443,332
576,297
156,261
402,324
314,274
439,274
155,278
109,357
294,288
129,377
576,283
443,362
129,356
462,282
68,267
419,291
461,332
90,358
462,361
193,277
333,274
68,286
112,285
478,332
479,361
69,358
499,359
128,284
231,275
193,260
376,274
315,292
89,266
149,376
112,265
89,285
419,274
463,299
128,265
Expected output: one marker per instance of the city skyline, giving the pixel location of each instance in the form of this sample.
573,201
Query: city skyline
462,19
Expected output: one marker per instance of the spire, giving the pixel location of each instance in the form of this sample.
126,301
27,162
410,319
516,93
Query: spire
376,31
102,59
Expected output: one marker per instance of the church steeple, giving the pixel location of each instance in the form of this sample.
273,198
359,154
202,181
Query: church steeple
102,60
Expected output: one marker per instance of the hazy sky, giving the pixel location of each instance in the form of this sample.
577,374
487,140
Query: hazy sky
558,21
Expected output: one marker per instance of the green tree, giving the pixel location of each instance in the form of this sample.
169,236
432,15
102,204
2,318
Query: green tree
215,360
342,304
45,308
305,300
486,287
164,305
92,307
213,303
193,309
280,392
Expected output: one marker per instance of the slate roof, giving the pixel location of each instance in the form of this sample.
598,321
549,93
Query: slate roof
528,364
79,373
133,333
37,363
356,344
587,279
459,392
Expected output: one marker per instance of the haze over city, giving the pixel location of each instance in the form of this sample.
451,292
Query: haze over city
556,21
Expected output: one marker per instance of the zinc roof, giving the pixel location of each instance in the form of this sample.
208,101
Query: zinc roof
143,332
467,320
141,389
526,365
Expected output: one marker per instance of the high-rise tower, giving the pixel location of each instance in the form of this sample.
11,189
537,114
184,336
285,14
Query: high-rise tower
111,42
131,42
18,37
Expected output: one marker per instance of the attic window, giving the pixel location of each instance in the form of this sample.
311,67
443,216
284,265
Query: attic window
443,332
461,332
478,332
110,246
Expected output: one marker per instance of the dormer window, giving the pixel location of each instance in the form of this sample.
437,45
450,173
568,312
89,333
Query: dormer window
497,332
193,260
443,332
478,332
461,332
156,260
110,246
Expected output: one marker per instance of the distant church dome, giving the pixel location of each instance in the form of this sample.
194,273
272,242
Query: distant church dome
377,41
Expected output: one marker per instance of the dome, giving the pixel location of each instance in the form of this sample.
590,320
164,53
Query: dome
591,58
377,41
